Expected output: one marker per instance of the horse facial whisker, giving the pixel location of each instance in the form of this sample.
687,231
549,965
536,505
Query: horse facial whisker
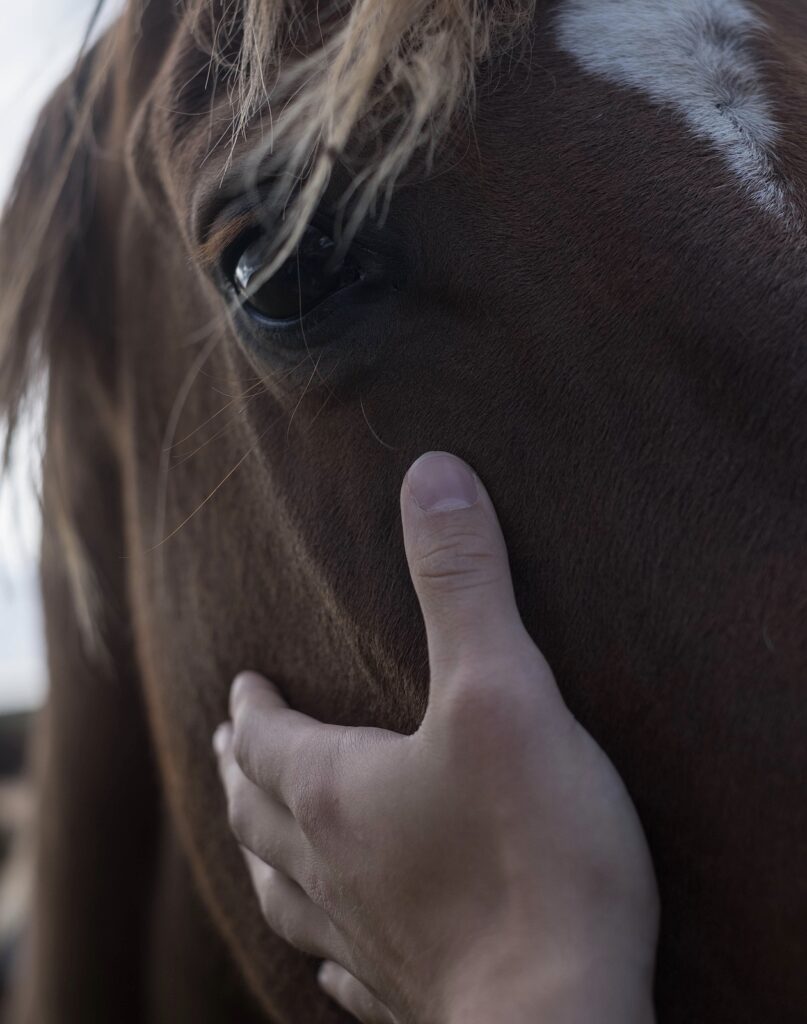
202,504
172,426
383,444
218,434
314,373
234,398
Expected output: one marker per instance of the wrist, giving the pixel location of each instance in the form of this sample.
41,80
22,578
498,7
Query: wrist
600,993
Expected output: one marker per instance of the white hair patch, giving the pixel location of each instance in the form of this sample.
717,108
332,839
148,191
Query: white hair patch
697,57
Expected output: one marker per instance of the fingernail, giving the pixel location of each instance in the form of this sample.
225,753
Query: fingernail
221,738
442,483
325,972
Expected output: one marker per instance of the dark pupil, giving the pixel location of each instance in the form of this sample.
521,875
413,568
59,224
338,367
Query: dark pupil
305,280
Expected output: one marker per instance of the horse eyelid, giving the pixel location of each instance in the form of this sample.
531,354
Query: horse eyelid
210,252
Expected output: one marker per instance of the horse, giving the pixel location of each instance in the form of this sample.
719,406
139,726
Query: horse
264,255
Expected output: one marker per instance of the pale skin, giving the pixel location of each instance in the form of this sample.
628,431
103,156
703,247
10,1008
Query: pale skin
489,867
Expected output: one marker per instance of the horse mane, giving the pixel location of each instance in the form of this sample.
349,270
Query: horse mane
43,258
371,84
40,235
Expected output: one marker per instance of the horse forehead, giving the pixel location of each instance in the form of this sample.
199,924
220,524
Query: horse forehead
696,56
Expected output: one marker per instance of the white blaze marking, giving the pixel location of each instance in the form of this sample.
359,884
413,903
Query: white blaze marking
695,56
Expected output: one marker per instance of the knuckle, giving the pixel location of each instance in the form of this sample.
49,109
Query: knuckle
304,799
315,805
476,708
499,699
317,799
273,851
456,559
315,886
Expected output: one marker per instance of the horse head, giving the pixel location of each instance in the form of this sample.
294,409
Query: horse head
565,241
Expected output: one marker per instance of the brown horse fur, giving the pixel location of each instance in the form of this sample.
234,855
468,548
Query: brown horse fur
579,299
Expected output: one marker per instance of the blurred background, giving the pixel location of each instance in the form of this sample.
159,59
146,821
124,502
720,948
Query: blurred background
42,38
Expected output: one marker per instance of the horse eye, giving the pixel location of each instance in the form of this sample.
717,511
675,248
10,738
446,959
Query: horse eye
304,281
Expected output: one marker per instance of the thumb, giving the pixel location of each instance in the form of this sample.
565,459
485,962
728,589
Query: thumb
459,567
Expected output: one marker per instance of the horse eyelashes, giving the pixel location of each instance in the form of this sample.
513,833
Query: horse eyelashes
311,275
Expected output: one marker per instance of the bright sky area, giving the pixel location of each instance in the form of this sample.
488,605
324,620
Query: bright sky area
41,38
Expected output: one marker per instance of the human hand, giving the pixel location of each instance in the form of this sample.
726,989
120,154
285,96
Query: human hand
489,867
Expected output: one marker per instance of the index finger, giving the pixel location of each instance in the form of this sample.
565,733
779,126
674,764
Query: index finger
278,749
